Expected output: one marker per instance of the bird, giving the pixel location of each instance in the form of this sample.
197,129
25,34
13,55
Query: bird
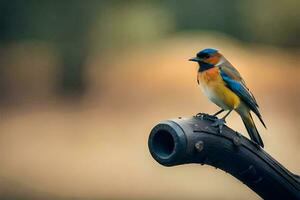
221,82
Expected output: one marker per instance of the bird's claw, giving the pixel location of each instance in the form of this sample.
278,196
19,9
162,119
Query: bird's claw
216,122
219,123
205,116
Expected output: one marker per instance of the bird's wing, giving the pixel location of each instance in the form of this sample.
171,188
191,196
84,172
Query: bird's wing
239,88
235,75
231,71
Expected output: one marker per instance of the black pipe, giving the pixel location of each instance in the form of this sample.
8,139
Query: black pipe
193,140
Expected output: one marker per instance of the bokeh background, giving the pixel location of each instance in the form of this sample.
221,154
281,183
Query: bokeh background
83,82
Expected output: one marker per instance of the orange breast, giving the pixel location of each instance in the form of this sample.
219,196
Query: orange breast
215,89
209,75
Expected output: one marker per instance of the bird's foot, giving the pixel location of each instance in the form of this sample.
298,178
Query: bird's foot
205,116
219,123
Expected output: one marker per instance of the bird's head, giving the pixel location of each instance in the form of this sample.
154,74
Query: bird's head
207,58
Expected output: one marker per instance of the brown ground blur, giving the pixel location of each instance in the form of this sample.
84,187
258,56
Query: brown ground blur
97,147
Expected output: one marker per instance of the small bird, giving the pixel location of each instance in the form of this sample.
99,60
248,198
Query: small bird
225,87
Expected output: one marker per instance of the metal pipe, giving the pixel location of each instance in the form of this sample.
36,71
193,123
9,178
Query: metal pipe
193,140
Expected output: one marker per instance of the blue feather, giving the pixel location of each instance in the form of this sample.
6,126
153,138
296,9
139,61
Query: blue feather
239,89
209,51
206,52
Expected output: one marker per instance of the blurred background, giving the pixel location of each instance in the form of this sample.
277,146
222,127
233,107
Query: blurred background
83,82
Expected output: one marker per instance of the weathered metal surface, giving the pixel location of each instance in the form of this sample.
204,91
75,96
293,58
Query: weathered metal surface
193,140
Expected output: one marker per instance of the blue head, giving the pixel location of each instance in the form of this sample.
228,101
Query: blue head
207,51
207,58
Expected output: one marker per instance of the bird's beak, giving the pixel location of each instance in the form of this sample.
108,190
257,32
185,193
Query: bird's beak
195,59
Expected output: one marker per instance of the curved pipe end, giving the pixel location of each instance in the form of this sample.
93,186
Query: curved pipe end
167,143
193,140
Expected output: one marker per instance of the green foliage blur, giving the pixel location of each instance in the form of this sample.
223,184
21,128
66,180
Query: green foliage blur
75,29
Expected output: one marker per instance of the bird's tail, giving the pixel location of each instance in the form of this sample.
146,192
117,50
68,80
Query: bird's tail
251,128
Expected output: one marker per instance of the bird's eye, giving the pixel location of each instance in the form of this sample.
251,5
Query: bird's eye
206,56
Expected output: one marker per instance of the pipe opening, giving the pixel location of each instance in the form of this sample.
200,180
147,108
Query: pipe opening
163,143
